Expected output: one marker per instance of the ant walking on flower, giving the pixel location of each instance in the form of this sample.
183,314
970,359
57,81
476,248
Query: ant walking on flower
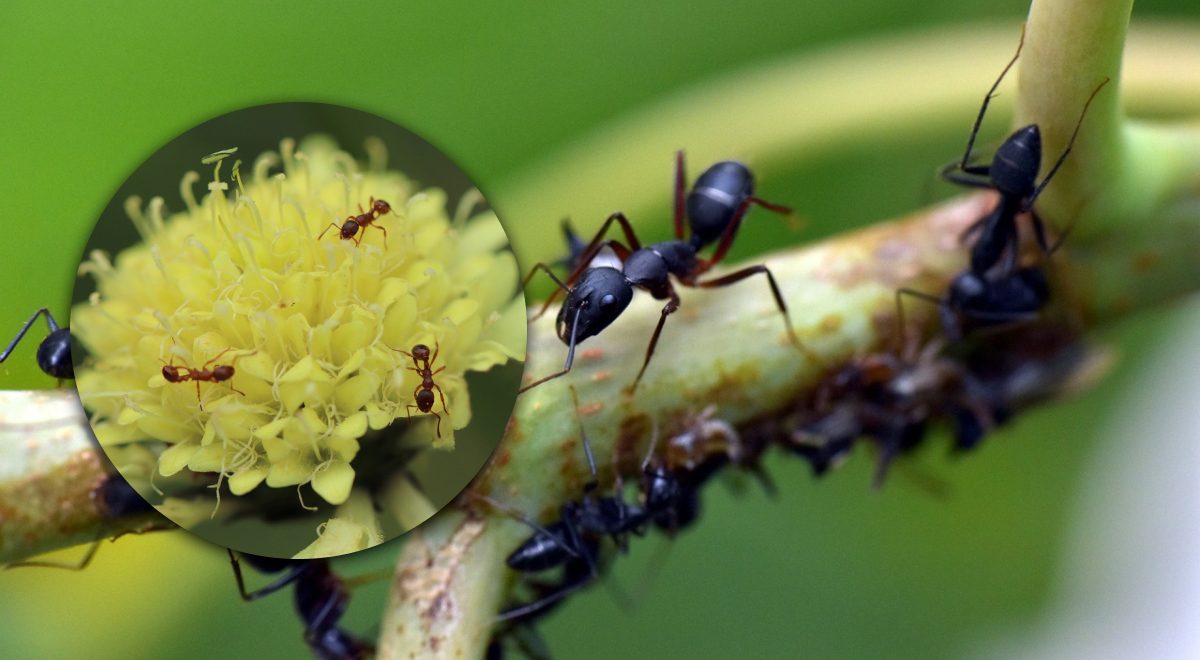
218,374
349,229
423,393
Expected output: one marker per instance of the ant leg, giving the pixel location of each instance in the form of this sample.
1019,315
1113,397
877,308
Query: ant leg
986,100
83,562
439,422
25,328
215,358
949,318
667,310
575,582
680,192
384,234
236,390
1070,143
566,367
322,234
437,347
742,274
726,240
441,396
291,576
971,176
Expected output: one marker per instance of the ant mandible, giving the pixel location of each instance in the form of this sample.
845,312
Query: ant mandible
596,296
218,374
353,223
423,393
53,353
320,598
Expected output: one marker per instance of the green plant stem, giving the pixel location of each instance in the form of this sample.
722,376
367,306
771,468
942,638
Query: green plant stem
841,293
49,467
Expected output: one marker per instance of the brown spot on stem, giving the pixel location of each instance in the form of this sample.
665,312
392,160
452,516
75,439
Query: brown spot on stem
591,408
831,323
601,376
591,353
1146,261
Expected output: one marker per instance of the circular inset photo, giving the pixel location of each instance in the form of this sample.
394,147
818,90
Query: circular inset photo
298,330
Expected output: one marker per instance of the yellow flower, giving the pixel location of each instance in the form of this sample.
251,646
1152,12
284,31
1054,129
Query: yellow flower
311,325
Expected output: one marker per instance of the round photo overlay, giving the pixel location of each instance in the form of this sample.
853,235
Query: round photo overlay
298,330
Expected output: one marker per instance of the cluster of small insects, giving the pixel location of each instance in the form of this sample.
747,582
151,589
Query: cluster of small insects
320,597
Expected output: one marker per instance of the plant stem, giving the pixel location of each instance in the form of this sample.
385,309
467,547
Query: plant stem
726,346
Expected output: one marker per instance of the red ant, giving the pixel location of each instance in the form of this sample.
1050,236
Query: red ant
424,391
218,374
349,228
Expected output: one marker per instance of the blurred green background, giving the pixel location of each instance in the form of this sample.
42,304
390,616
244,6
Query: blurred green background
828,569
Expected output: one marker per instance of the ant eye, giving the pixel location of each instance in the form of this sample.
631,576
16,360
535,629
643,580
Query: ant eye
607,300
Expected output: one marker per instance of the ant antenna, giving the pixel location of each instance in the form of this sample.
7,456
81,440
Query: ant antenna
653,443
567,366
587,446
987,99
1071,143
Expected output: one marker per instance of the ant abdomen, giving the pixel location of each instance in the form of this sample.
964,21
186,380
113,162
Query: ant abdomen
54,354
715,197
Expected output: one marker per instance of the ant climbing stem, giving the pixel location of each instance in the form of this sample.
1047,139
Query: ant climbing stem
320,597
1013,175
349,229
53,353
597,295
423,393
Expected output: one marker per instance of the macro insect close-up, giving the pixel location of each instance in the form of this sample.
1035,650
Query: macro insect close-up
781,330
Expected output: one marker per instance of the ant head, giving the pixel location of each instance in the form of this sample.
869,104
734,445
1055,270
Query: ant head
349,229
1015,166
715,197
380,207
222,372
170,373
54,354
420,352
425,400
596,301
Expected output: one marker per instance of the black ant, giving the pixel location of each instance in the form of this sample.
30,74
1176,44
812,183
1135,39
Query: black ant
423,393
1013,174
54,353
981,295
596,296
218,374
353,223
320,597
573,541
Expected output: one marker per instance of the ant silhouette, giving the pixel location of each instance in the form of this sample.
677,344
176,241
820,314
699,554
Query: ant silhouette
353,223
53,353
423,393
994,290
219,374
596,296
320,597
573,541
